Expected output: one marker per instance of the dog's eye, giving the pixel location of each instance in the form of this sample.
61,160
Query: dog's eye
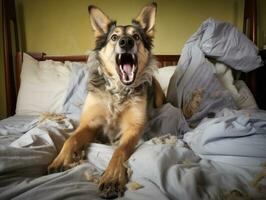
114,37
136,36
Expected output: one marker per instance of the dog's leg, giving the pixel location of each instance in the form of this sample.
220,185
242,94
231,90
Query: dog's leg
159,94
91,120
112,183
71,148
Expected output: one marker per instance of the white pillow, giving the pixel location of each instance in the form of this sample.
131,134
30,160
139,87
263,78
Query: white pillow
246,100
163,76
225,76
238,89
43,86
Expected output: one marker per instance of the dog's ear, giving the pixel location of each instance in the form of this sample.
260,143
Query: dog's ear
146,19
99,21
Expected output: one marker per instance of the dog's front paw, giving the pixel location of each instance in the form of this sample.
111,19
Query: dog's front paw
112,183
66,157
61,163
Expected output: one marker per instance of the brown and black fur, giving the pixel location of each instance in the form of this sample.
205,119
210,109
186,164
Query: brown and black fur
119,91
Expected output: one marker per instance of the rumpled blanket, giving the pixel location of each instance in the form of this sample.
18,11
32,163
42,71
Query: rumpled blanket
221,42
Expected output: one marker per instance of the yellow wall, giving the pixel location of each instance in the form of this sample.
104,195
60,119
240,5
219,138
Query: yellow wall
2,80
62,26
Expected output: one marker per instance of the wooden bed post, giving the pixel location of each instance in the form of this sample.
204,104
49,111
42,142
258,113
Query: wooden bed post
250,29
11,45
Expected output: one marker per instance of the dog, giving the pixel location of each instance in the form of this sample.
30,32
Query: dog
120,91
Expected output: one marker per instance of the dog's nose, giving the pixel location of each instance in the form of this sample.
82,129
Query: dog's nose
126,43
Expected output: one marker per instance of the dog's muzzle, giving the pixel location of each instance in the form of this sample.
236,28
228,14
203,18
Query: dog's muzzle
126,43
127,67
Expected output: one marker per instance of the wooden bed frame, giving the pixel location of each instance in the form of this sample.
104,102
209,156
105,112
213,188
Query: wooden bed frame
12,71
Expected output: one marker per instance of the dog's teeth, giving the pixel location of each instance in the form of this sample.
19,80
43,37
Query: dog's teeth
133,56
119,57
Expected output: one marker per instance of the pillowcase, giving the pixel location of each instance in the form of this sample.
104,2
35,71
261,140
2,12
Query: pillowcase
163,76
43,86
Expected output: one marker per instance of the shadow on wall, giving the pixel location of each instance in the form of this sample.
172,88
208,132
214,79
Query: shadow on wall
236,12
21,25
262,24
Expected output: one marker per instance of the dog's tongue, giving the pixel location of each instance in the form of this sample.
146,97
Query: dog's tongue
127,68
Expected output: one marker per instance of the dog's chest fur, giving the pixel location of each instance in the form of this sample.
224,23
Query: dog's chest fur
115,105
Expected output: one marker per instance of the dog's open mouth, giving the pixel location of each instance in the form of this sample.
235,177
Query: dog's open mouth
127,67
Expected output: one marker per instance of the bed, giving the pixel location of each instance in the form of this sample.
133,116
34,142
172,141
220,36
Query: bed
212,148
219,156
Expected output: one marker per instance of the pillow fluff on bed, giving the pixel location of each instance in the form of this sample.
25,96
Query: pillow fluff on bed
43,86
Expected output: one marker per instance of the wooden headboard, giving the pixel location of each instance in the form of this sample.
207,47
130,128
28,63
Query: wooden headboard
164,60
